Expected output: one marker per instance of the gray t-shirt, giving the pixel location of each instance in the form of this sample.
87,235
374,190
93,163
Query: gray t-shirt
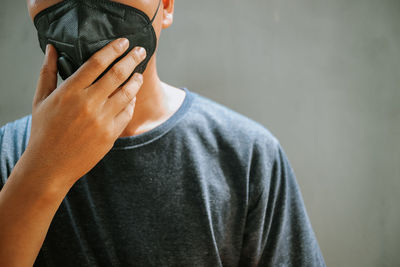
208,187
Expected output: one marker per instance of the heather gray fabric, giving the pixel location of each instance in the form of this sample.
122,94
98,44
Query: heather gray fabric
208,187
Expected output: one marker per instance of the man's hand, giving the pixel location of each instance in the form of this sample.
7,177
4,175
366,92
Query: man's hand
76,124
73,127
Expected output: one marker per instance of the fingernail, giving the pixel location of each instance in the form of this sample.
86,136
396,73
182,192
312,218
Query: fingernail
47,48
138,77
140,50
123,42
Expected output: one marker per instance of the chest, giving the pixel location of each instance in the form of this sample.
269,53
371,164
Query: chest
148,217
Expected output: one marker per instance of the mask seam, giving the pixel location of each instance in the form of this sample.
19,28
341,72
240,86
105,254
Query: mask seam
78,41
109,14
58,42
75,4
45,12
127,7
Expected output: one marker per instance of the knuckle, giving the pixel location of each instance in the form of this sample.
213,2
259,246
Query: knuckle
129,110
108,133
138,78
98,123
45,70
63,98
127,93
86,109
135,57
118,73
34,104
117,48
59,100
98,62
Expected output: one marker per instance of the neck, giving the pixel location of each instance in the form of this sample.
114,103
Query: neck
151,102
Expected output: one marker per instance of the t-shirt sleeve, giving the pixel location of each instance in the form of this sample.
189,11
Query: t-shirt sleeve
1,147
14,137
1,134
278,231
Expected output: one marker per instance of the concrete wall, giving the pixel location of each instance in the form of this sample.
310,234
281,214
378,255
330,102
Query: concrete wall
323,76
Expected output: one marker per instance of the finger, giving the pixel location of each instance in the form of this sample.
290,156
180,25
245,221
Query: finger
48,76
124,95
118,74
125,116
98,63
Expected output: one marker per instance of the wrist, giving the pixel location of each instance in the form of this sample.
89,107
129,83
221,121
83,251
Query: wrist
38,180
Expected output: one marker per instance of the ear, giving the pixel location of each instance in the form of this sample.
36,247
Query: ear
168,13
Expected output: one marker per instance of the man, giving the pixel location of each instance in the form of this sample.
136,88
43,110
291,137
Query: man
112,169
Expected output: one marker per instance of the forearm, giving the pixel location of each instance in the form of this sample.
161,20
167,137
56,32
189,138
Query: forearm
28,203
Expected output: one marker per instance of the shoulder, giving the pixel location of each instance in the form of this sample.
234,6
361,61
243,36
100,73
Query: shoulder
231,128
14,137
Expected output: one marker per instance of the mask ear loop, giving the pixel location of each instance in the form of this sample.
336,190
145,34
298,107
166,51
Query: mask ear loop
151,21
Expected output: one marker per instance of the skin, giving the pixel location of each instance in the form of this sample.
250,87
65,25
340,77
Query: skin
70,120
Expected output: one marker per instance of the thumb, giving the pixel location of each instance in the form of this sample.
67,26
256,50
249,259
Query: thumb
48,76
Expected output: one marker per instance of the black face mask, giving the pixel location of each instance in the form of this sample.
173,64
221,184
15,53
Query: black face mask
79,28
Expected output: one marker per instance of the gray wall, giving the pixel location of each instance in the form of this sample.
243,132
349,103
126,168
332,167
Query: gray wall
323,76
